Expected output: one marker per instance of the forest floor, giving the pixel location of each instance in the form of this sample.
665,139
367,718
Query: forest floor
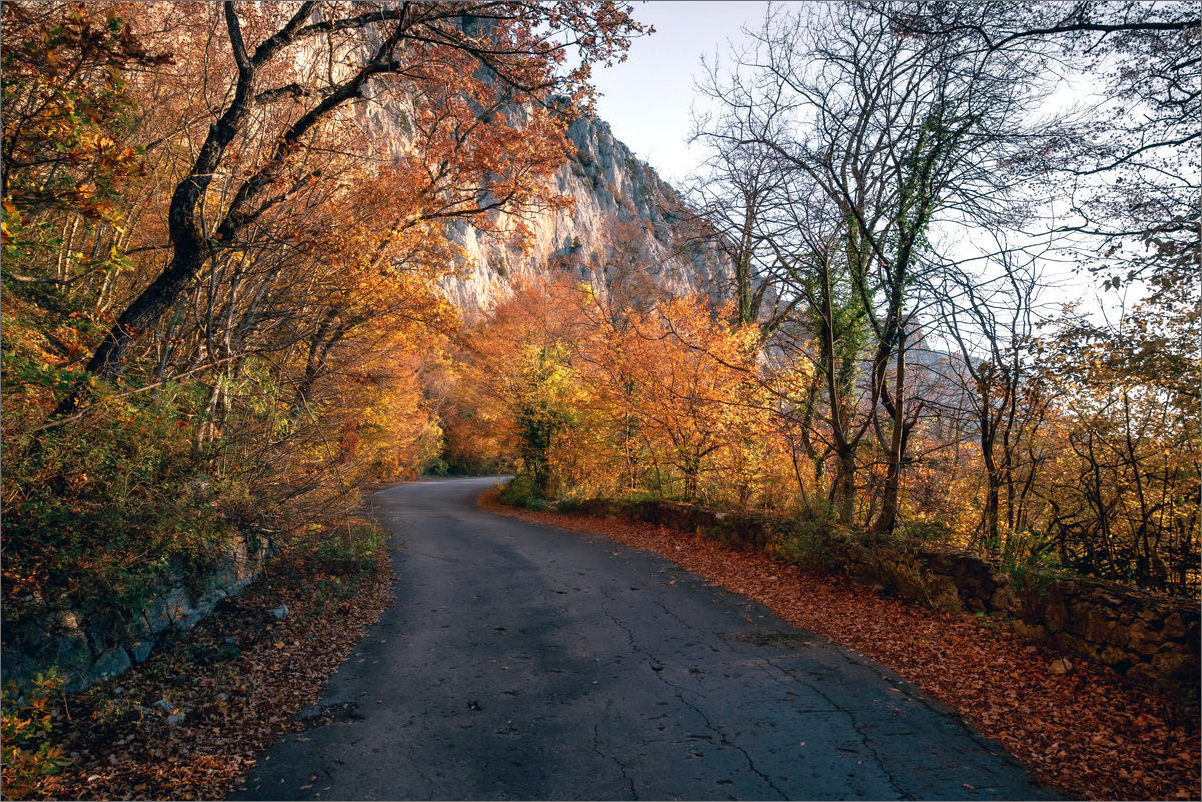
196,715
1085,733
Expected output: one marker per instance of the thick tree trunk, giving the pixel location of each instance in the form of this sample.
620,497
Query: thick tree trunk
888,517
142,313
845,487
190,251
187,241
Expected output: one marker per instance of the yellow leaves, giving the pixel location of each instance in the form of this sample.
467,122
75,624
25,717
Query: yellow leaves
794,380
674,387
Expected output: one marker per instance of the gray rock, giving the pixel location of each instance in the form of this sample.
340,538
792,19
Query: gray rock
167,609
104,632
111,663
176,718
280,612
194,615
62,621
139,650
89,645
136,626
224,577
74,660
18,667
622,210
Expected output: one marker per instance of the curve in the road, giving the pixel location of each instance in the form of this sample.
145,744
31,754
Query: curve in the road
527,662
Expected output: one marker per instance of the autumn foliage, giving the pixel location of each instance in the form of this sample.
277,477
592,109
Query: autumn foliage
891,361
584,397
224,231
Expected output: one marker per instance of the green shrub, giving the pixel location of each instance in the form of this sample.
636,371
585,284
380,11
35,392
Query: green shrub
352,550
900,575
568,505
25,728
522,491
97,509
809,544
924,530
1028,551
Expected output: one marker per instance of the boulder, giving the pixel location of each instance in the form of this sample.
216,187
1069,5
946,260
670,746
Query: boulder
1055,615
140,650
1174,625
109,664
1118,659
1175,662
74,659
167,609
1002,599
1141,639
1096,626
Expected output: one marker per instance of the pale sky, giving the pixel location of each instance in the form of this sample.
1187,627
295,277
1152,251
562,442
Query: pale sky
646,100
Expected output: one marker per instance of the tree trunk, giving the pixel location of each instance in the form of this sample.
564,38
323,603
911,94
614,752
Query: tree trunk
142,313
888,516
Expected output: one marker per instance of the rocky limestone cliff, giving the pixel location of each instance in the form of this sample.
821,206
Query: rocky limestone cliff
626,233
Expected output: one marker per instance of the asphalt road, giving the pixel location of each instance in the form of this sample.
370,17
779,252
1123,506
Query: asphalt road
526,662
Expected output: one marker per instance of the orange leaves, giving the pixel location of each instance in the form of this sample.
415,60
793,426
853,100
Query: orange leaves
521,385
669,399
692,384
65,101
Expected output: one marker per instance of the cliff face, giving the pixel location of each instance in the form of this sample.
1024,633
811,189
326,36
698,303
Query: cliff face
626,233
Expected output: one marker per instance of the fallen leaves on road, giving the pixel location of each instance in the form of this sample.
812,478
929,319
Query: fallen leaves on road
1084,732
229,688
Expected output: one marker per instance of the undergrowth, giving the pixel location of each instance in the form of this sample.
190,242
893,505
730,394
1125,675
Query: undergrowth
522,491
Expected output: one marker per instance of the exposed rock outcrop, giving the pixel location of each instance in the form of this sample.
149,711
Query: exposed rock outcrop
627,233
89,645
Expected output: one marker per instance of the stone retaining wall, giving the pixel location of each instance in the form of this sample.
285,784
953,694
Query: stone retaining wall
1145,637
88,646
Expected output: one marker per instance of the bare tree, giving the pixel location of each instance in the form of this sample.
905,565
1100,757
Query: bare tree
1122,178
893,131
992,317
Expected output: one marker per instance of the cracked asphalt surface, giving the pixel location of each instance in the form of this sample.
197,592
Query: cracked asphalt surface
526,662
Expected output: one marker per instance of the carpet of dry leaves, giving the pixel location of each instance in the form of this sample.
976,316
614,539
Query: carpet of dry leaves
1086,733
231,686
